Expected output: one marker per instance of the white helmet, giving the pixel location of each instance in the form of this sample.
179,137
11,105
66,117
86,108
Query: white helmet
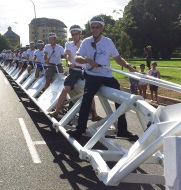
75,27
97,19
32,43
51,34
40,42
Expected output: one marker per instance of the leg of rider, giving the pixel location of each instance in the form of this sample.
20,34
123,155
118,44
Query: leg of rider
62,98
92,85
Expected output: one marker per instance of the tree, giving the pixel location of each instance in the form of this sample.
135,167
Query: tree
113,30
155,23
61,40
4,44
125,44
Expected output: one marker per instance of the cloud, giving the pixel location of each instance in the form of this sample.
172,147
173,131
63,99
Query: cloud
70,12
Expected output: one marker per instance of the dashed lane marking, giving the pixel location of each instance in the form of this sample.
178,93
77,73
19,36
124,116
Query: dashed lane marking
6,81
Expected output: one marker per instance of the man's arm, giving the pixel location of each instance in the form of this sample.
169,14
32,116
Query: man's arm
34,58
123,63
45,57
28,57
68,58
83,60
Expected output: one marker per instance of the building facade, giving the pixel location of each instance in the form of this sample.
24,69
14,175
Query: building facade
39,28
12,37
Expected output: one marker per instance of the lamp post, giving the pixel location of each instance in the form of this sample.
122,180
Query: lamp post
35,22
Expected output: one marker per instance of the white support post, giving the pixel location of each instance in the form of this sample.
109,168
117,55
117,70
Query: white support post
165,121
172,163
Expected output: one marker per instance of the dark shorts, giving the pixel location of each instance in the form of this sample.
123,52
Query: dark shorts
40,66
72,78
17,63
133,89
25,64
31,64
153,88
9,60
148,63
98,81
51,70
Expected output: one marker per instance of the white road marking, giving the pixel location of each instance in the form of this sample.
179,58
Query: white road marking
6,81
39,142
48,142
29,142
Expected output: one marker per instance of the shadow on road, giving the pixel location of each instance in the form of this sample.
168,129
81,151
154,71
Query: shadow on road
78,173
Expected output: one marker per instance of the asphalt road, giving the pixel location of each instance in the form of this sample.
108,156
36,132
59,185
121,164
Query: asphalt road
34,157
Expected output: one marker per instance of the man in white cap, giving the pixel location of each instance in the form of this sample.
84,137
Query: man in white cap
52,57
96,51
75,71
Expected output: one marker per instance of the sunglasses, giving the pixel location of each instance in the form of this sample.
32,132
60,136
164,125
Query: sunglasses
75,34
95,27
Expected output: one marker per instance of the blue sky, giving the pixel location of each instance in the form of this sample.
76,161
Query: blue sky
18,14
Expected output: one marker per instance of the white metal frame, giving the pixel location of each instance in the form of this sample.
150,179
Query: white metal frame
164,123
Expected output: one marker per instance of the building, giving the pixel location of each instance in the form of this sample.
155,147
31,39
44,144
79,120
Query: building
39,28
12,37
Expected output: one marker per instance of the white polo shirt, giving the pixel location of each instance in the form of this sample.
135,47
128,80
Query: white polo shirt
30,53
105,49
70,46
54,55
39,56
24,56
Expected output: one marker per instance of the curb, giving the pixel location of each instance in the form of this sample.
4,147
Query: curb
161,99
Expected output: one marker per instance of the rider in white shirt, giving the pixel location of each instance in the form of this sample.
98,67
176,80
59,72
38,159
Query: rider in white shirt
52,56
30,54
75,72
96,51
39,59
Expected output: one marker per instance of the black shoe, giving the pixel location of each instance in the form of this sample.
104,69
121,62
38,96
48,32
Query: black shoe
74,134
128,135
149,124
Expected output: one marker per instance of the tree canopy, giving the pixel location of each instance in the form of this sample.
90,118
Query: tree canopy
4,44
154,22
145,22
113,30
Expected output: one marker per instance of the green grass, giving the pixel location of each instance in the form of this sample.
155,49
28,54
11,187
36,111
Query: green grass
168,69
161,63
169,74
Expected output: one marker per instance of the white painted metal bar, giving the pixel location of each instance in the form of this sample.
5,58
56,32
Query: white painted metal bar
34,89
164,123
29,80
47,101
172,161
15,75
12,69
121,110
159,82
144,179
14,72
156,79
136,154
22,77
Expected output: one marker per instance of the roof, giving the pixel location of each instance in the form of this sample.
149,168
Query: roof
48,21
10,33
